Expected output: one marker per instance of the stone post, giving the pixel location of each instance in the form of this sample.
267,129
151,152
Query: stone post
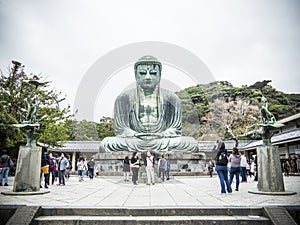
27,178
269,170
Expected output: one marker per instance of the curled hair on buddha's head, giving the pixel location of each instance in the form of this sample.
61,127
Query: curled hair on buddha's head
147,60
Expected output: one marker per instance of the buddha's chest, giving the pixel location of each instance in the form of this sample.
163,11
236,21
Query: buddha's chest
148,110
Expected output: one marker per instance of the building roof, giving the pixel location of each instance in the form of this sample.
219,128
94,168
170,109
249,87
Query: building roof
289,136
289,119
79,146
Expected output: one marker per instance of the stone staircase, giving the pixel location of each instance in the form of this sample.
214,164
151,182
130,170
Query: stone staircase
155,215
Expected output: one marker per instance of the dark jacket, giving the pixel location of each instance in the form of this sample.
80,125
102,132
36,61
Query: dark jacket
5,160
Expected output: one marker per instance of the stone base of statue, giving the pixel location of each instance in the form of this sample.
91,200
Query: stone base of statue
27,178
181,164
270,179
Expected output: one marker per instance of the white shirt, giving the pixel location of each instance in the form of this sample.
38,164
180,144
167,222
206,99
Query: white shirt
150,161
243,161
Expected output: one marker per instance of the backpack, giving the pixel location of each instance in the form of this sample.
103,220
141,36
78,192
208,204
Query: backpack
223,158
162,163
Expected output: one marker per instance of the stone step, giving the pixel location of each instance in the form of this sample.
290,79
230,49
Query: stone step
151,220
152,211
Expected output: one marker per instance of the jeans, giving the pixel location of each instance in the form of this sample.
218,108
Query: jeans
235,171
163,172
135,174
4,175
150,174
61,177
223,176
244,174
91,173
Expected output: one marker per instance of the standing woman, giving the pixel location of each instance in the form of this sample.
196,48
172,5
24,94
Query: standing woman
126,168
135,165
221,168
235,165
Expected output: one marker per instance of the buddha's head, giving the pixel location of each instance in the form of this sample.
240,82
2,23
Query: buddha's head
147,72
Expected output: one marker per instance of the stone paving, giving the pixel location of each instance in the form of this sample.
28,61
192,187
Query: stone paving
177,192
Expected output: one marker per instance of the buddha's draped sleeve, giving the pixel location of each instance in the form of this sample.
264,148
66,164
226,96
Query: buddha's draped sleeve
171,114
123,106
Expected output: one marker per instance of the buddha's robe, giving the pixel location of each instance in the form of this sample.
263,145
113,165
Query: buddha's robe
142,125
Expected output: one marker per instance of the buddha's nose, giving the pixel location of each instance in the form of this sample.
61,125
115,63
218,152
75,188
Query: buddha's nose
148,77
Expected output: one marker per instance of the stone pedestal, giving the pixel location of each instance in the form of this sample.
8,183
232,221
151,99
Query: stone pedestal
269,170
180,163
27,178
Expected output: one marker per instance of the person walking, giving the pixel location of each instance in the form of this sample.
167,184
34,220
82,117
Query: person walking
53,168
235,163
81,167
68,168
126,168
150,165
5,164
91,166
162,167
135,165
221,168
168,170
62,165
45,163
243,167
210,168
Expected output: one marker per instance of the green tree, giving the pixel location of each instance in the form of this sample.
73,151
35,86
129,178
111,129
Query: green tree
15,88
84,131
105,128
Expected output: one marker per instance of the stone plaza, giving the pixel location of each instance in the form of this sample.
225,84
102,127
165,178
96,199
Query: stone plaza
194,193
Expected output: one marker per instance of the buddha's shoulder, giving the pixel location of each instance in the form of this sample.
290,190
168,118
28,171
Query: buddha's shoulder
127,93
168,94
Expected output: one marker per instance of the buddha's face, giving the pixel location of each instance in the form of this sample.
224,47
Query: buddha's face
147,76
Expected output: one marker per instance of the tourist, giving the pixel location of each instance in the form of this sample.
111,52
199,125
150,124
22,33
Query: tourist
252,167
81,167
162,167
243,167
5,164
210,168
255,168
150,164
286,167
235,164
68,168
298,164
45,162
53,168
248,169
135,165
62,165
293,164
221,168
91,166
168,170
97,170
126,168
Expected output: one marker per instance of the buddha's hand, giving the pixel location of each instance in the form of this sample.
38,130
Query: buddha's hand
149,135
169,133
128,133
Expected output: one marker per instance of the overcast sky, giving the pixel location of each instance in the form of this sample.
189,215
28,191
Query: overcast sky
239,41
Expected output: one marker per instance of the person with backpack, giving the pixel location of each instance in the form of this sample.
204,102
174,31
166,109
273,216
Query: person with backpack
221,168
235,163
162,167
91,166
5,164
